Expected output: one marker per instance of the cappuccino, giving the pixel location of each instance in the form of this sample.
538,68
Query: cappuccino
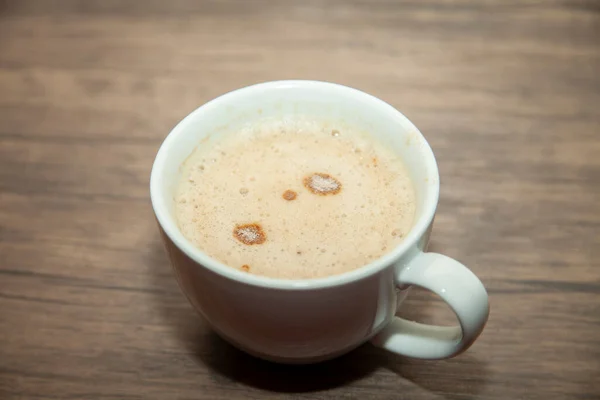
294,199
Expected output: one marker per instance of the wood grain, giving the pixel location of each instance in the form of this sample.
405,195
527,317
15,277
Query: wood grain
507,93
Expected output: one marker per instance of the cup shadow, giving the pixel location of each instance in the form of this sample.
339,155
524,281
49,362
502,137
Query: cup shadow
460,378
230,364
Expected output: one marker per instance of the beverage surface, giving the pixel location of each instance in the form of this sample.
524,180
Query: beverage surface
294,199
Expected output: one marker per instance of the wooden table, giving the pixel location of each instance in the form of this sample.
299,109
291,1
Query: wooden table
507,93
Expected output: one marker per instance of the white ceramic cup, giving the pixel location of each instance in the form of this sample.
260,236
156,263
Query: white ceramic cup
303,321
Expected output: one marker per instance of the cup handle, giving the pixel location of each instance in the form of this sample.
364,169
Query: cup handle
459,288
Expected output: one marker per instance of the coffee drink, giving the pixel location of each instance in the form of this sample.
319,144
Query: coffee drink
294,199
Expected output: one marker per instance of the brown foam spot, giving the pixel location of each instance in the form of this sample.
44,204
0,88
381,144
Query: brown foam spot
249,234
246,268
375,161
289,195
322,184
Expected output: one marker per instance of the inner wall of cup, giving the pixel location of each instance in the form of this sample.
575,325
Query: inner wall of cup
327,102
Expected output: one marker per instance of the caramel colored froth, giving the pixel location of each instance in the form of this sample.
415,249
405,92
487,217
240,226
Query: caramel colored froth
322,184
250,234
289,195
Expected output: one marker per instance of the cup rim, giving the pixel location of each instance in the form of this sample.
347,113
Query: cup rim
169,226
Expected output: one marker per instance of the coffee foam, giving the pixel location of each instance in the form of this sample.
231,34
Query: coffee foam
303,198
249,234
289,195
322,184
